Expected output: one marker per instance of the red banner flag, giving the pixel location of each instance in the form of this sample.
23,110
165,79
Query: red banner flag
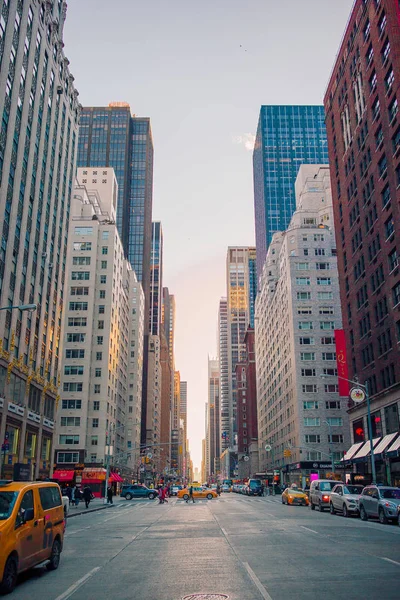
341,360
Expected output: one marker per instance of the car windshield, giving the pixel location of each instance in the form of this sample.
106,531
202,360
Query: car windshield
7,502
255,483
326,486
352,489
388,494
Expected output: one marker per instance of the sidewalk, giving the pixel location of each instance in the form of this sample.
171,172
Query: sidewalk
94,506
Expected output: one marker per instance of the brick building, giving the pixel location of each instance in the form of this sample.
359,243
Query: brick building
363,126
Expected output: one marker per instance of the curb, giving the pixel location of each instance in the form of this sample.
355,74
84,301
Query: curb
90,510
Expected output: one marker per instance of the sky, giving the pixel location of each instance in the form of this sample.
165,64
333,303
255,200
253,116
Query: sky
201,71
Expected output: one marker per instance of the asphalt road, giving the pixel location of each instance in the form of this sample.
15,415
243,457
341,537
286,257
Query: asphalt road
246,548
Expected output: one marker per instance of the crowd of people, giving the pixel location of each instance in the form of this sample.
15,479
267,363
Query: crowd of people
75,495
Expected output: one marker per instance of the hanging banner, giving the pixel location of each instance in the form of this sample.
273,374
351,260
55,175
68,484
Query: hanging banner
341,359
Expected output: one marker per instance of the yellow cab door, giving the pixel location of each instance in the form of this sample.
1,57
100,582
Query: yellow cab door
198,492
27,534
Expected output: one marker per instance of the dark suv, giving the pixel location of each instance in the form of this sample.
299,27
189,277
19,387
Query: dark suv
254,487
137,491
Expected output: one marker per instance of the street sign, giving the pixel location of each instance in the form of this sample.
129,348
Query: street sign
357,395
149,455
5,447
268,447
6,435
246,458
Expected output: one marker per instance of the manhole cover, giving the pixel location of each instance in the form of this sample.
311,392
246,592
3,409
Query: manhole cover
206,597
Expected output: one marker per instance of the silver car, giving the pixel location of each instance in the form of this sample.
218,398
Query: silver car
379,502
344,499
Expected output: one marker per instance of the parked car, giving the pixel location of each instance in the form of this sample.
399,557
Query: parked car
345,498
137,491
225,488
320,493
254,487
380,502
31,528
292,496
198,492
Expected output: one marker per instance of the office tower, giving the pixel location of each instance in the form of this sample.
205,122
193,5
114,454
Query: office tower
213,418
110,137
168,319
241,292
224,373
287,137
361,104
203,475
153,406
207,444
166,405
38,140
183,419
156,269
175,423
297,313
247,410
99,304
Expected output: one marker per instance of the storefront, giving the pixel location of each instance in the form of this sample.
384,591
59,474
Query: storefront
95,478
387,460
64,476
302,473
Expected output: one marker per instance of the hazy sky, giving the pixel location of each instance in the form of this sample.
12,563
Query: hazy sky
200,70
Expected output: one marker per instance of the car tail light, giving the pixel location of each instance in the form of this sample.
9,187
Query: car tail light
326,498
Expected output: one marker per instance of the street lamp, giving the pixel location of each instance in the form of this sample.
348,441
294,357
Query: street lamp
21,307
365,389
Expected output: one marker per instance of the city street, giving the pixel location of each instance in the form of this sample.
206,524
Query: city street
246,548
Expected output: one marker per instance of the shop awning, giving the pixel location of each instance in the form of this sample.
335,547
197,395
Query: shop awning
366,449
395,447
66,475
116,477
352,451
384,443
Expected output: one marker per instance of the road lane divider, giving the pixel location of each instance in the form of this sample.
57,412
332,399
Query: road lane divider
75,586
308,529
257,582
394,562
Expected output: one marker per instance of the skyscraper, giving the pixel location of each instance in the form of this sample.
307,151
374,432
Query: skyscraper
287,136
38,141
156,270
241,292
168,319
363,122
224,373
213,417
110,137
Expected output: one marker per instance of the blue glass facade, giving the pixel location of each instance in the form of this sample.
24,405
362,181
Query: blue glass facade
156,268
287,137
111,137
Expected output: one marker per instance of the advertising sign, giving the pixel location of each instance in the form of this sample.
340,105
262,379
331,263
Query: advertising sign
341,360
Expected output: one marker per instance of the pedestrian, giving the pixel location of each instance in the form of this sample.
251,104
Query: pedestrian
68,492
87,495
262,490
109,495
218,489
164,494
77,495
191,497
160,496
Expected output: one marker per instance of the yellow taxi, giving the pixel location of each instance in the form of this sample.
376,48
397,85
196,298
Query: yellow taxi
198,492
31,528
294,496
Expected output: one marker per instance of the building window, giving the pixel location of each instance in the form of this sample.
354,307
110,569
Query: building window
333,404
81,260
83,230
95,423
307,341
308,373
104,264
94,440
393,109
102,309
389,227
97,388
323,281
103,279
102,294
97,372
96,405
309,388
68,439
70,421
309,355
303,266
67,457
303,281
99,340
330,371
312,438
78,306
392,418
326,325
73,386
80,275
100,324
335,421
99,356
83,246
358,431
104,250
105,235
330,388
72,353
71,404
376,422
73,370
304,310
393,260
335,438
306,325
329,356
312,422
389,80
303,295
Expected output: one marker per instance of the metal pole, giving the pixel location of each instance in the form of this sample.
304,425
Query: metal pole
330,448
273,470
370,433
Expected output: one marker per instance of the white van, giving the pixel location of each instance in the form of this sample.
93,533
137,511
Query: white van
320,493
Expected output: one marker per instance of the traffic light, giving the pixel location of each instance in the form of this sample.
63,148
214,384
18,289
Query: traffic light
287,453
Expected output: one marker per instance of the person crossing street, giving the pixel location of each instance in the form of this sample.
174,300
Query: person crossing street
191,497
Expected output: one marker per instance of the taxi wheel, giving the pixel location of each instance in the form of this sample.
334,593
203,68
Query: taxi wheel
152,496
186,497
331,509
10,576
210,496
345,511
128,496
54,556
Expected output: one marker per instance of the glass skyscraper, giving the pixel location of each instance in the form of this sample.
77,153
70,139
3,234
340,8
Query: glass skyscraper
110,137
156,269
287,136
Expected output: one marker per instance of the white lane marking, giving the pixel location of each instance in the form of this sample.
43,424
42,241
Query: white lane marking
257,582
77,530
308,529
72,589
394,562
